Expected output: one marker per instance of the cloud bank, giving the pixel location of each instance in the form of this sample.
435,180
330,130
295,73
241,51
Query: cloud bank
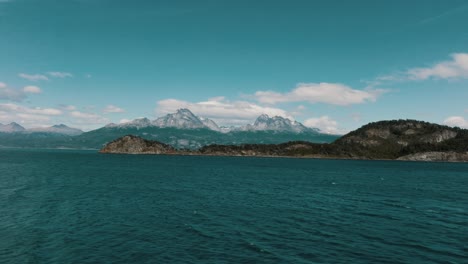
328,93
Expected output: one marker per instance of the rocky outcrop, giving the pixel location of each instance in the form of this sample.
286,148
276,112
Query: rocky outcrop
397,138
136,145
437,156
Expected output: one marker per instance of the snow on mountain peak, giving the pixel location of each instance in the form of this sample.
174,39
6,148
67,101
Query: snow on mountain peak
183,118
11,128
276,123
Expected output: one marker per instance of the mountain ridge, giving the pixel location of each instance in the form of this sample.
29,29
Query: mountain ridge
184,119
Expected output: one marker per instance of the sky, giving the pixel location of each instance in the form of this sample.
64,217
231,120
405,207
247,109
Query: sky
335,65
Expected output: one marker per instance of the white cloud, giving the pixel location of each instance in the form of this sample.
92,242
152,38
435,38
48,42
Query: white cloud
41,117
456,68
14,108
32,89
33,77
113,109
123,121
329,93
60,74
456,121
35,116
324,123
16,95
221,110
88,118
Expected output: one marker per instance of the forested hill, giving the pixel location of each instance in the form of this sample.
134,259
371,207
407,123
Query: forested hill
396,139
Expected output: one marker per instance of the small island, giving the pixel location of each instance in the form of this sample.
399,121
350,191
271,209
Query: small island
409,140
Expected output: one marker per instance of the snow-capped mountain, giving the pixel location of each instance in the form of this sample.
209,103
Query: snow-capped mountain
210,124
58,129
11,128
277,123
183,118
136,123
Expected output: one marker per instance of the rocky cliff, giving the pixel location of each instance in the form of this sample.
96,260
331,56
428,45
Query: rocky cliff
436,156
136,145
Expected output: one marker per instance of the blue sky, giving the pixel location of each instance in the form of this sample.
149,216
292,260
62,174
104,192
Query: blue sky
335,65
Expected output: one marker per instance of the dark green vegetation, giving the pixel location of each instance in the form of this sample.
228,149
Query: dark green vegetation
396,138
380,140
178,138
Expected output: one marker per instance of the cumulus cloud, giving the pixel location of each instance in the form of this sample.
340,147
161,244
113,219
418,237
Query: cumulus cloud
33,77
14,108
456,121
456,68
221,110
113,109
324,123
32,89
17,95
40,117
56,74
88,118
328,93
35,116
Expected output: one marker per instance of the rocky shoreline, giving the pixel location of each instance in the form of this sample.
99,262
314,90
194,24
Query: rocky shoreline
404,140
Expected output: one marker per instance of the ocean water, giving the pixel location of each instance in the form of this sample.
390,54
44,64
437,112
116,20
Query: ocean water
62,206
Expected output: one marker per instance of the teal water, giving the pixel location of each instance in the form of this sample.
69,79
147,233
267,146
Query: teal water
84,207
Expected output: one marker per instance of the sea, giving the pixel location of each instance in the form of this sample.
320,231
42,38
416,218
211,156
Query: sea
70,206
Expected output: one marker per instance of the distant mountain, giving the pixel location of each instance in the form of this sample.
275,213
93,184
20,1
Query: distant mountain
184,119
210,124
182,130
137,123
11,128
277,123
57,129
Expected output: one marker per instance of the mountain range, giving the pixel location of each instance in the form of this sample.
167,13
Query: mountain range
182,130
55,129
185,119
